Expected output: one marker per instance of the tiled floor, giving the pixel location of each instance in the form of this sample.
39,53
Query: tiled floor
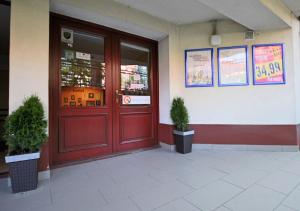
160,180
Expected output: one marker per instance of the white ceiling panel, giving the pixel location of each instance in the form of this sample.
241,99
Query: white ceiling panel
250,13
293,5
175,11
98,18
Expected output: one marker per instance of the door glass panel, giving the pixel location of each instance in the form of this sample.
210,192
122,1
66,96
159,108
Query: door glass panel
135,68
82,69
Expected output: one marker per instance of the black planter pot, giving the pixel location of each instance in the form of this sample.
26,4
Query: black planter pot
183,141
23,171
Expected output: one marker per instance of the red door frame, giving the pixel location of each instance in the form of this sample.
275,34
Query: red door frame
112,64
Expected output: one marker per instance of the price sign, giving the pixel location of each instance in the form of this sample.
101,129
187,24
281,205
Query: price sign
268,65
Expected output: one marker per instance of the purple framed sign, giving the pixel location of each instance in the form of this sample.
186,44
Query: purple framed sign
199,67
268,64
233,66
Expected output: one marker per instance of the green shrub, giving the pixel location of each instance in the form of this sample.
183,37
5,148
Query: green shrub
179,114
25,128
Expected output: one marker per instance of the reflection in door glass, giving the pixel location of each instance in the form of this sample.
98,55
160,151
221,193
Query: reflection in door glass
134,70
82,69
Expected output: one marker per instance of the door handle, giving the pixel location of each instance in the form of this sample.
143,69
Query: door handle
118,94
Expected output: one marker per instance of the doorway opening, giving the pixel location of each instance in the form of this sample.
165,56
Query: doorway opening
4,77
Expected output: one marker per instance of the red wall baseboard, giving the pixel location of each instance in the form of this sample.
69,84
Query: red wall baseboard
237,134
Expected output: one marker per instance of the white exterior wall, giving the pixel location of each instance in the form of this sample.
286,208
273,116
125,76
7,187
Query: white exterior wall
164,74
296,59
29,51
270,104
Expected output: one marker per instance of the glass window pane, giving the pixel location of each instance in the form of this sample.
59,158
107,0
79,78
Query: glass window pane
82,70
134,70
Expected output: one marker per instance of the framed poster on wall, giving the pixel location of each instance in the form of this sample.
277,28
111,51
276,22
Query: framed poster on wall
268,64
199,67
233,66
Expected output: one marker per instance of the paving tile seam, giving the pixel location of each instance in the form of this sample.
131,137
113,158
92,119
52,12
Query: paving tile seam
288,195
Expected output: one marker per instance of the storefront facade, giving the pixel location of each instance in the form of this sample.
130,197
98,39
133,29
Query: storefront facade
107,73
110,90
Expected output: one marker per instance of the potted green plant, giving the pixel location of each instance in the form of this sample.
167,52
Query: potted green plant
182,136
25,132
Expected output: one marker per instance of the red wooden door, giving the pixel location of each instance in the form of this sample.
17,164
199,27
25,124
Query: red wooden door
93,72
135,100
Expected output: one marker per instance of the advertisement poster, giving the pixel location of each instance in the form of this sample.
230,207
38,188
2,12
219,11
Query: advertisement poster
268,64
232,66
199,68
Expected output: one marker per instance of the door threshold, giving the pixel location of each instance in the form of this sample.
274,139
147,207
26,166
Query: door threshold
71,163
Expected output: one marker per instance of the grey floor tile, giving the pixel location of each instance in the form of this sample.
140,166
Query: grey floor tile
284,208
213,195
178,205
280,181
222,208
114,192
82,197
121,205
267,166
162,176
125,172
245,178
229,167
73,184
256,198
202,178
156,179
293,200
38,198
159,196
292,167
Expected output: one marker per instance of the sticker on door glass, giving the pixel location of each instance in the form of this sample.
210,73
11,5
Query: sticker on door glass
83,56
137,86
135,100
69,55
67,36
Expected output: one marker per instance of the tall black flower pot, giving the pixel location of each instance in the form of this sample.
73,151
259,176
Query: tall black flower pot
183,141
23,171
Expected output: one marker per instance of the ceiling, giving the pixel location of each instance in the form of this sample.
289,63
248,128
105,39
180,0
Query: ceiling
293,5
175,11
66,7
252,14
249,13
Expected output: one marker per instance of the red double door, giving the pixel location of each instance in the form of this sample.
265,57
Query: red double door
103,91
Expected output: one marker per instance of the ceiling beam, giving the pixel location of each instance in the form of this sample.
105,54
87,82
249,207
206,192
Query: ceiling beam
252,14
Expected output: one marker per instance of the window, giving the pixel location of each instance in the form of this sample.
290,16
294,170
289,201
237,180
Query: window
135,66
82,69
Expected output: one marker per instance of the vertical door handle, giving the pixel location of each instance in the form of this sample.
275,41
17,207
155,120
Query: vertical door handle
118,94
